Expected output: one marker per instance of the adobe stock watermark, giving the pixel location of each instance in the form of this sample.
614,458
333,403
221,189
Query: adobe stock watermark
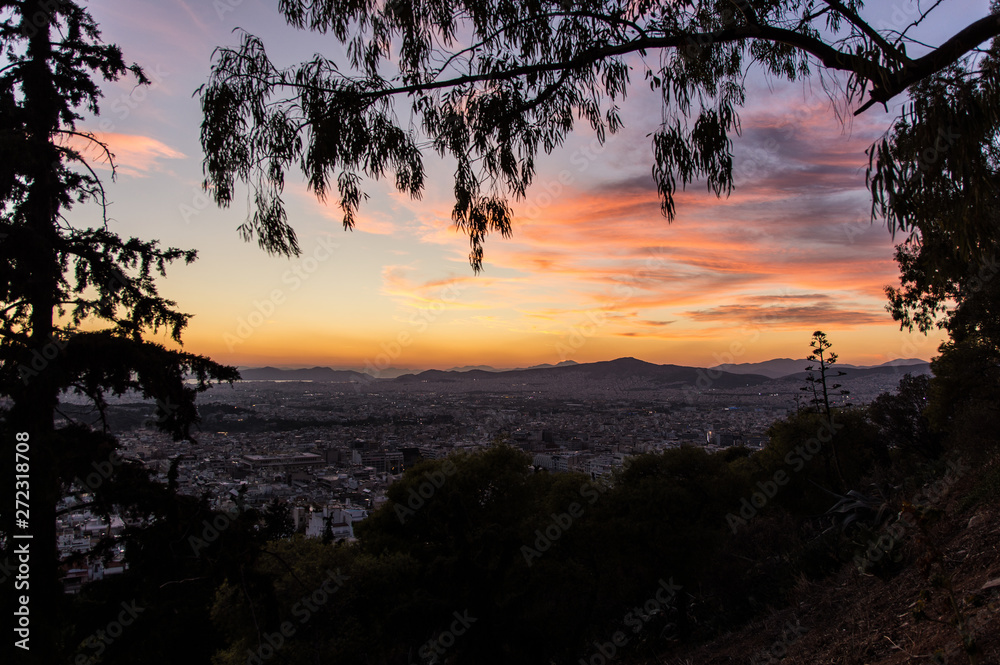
695,45
419,322
582,158
561,522
167,409
124,104
210,531
433,649
7,569
893,534
790,634
200,201
635,620
926,159
419,495
750,333
916,345
988,270
293,278
760,161
929,156
861,225
223,7
796,459
101,471
303,610
98,642
978,625
41,359
707,376
902,14
43,18
596,319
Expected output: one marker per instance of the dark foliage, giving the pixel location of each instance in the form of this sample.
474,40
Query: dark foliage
491,85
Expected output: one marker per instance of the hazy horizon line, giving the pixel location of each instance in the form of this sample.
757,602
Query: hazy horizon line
420,368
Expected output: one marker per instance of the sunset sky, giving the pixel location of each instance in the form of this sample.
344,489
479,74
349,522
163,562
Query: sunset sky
593,271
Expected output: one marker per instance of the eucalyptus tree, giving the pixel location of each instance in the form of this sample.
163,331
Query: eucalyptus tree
77,302
942,184
491,84
940,175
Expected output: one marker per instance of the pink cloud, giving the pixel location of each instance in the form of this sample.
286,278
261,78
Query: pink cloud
132,154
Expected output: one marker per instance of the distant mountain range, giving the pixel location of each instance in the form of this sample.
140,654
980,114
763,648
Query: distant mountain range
741,374
487,368
782,367
721,376
920,367
622,369
324,374
331,375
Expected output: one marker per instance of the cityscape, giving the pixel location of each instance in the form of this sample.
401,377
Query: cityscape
329,450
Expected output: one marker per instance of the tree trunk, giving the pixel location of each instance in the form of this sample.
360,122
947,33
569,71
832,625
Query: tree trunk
34,408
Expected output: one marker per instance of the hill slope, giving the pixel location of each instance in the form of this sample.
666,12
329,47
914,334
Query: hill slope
852,618
306,374
622,369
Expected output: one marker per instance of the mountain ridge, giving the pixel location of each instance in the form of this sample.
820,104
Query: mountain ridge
778,368
627,367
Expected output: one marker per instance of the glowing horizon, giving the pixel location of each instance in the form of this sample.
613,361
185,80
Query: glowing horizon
593,271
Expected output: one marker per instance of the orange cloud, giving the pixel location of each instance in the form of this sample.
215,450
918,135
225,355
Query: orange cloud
450,292
790,316
799,228
791,249
133,155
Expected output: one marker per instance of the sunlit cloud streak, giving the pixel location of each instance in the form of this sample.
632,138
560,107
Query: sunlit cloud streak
133,155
